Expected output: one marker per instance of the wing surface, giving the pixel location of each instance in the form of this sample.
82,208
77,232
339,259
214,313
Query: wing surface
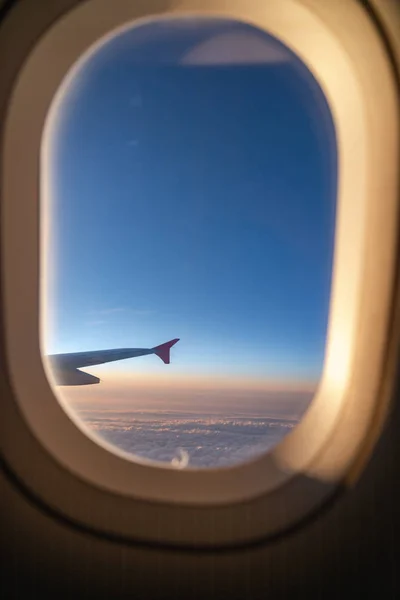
65,367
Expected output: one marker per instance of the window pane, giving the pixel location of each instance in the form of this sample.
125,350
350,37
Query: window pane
193,197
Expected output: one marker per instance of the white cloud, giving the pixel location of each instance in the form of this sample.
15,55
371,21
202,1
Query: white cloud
197,441
185,426
107,311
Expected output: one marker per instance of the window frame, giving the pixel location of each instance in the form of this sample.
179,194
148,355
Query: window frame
274,490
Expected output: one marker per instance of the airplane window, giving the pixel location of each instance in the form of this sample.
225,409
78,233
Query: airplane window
189,241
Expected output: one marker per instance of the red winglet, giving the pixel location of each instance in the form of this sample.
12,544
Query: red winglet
163,350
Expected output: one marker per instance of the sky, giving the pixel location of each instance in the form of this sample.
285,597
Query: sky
195,200
194,171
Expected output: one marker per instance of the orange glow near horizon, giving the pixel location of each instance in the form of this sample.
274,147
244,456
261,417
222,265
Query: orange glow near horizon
189,381
191,394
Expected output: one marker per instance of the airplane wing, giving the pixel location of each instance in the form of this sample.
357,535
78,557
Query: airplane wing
65,367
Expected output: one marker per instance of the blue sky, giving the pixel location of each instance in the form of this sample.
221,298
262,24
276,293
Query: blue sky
195,198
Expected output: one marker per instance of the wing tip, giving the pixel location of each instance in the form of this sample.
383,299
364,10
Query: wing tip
163,350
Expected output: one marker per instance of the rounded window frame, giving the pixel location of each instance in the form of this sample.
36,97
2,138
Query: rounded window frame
312,461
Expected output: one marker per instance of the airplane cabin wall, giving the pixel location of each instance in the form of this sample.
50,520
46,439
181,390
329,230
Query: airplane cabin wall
349,550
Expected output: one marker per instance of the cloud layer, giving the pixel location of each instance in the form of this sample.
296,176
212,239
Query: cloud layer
196,441
208,425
